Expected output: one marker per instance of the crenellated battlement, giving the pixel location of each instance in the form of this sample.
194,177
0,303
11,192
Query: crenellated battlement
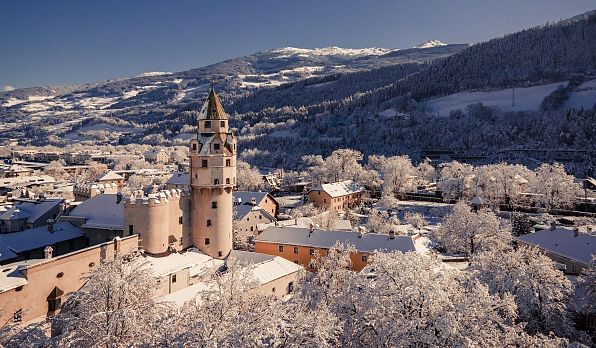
159,198
83,191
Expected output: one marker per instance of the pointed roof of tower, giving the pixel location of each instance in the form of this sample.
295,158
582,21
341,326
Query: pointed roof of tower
212,109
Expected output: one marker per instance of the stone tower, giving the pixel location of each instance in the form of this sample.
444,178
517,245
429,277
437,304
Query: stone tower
212,178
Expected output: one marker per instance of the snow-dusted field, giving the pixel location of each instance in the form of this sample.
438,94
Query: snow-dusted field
583,96
528,98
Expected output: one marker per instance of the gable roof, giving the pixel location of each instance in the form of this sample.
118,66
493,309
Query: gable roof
109,175
101,211
561,241
30,210
369,242
338,189
246,196
39,237
240,211
179,178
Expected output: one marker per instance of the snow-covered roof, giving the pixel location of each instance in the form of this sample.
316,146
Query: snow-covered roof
240,211
247,196
193,259
39,237
30,210
212,109
338,189
179,178
26,180
101,211
110,175
561,241
266,268
369,242
11,276
6,253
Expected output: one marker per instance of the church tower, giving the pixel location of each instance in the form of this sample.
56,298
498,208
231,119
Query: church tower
212,178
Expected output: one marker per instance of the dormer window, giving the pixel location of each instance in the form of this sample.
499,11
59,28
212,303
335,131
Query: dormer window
208,124
216,147
194,147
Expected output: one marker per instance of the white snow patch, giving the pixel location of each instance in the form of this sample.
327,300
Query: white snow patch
154,73
583,96
430,43
285,52
528,98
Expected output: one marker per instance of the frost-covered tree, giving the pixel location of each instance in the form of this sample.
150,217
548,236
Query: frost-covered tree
248,178
467,232
540,290
56,170
94,169
501,183
115,308
555,188
327,220
455,181
379,222
415,219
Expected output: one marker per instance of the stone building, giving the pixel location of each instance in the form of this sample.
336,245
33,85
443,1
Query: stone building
336,196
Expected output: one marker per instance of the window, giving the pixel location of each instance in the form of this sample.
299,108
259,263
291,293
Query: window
208,222
324,201
180,220
311,251
364,258
204,163
251,228
290,287
219,253
273,290
60,275
91,264
130,230
228,163
296,262
213,205
17,317
260,217
71,245
281,248
206,241
228,181
319,193
295,250
173,278
216,147
222,123
54,304
194,147
216,182
207,124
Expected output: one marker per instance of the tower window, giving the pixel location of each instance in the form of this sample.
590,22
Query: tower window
204,163
222,123
228,163
227,180
208,222
207,124
180,220
219,253
213,205
215,146
206,241
194,147
216,182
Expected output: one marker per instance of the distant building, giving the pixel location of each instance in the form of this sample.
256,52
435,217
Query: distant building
157,156
300,245
336,196
178,180
85,191
262,199
26,181
63,237
248,217
110,177
570,248
16,170
101,217
30,213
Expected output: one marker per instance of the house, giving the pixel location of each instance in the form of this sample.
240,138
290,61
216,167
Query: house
300,245
178,180
63,237
110,177
82,192
157,156
572,249
101,217
26,181
248,217
16,170
33,289
262,199
30,213
336,196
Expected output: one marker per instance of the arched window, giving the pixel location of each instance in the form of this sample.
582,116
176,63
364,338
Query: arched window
216,182
228,181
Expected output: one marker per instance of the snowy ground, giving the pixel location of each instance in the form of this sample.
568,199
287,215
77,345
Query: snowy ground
525,99
583,96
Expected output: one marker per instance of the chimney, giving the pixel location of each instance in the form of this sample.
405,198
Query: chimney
117,244
553,225
296,221
589,230
312,228
253,201
47,252
360,231
50,225
576,232
391,234
118,197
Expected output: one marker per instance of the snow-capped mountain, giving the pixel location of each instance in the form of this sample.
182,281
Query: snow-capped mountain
330,51
430,43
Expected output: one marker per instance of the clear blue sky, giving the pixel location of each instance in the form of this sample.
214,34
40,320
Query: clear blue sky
63,42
